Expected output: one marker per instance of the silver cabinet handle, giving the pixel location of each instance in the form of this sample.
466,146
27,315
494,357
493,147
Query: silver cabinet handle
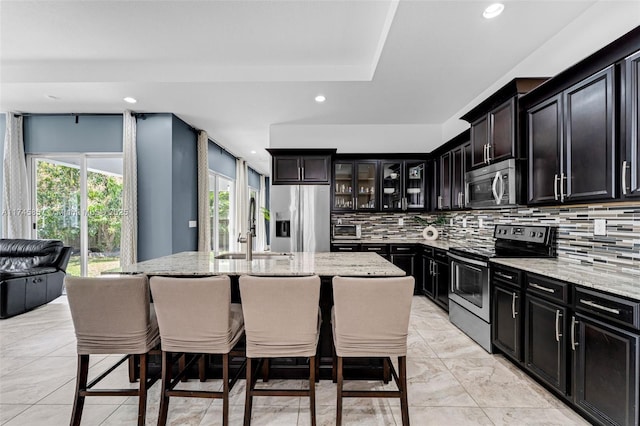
488,153
302,172
541,287
573,333
345,249
555,187
513,305
598,306
558,334
403,248
563,178
624,177
503,275
440,202
299,173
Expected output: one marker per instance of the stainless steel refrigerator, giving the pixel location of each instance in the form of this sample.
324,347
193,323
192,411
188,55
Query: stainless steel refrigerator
300,219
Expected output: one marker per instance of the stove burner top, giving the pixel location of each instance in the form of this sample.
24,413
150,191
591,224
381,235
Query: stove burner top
514,241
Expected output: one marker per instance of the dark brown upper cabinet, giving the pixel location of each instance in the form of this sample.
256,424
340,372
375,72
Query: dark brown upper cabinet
403,185
451,164
355,185
630,158
494,123
291,167
572,143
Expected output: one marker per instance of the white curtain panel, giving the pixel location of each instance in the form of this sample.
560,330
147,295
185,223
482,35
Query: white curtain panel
129,232
204,223
261,229
16,222
242,202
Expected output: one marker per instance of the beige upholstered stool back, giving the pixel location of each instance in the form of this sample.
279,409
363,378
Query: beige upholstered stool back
371,316
281,315
112,314
196,315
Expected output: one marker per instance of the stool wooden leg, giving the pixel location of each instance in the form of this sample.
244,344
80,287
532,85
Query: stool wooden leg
202,368
81,385
265,369
181,364
133,374
225,389
312,389
166,381
142,396
249,397
339,401
402,379
386,370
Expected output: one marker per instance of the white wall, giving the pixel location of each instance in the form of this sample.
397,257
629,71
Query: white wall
598,26
358,138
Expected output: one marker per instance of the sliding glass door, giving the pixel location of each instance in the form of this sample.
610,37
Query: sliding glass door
78,199
221,212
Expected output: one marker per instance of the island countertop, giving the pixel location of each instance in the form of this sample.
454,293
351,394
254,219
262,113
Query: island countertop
191,263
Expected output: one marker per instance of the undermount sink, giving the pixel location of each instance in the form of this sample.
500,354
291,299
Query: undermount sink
241,256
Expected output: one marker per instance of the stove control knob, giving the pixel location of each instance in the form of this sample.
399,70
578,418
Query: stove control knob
533,234
540,234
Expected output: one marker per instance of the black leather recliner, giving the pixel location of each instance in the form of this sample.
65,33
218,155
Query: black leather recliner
31,273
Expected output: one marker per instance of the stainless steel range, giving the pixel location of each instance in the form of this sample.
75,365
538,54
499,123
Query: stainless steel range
469,295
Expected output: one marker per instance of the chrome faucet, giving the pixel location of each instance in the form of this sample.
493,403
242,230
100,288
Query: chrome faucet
251,232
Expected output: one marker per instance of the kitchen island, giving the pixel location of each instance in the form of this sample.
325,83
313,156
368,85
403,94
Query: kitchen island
325,265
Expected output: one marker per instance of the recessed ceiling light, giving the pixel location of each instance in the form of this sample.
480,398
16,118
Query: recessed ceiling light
130,100
493,10
253,151
320,98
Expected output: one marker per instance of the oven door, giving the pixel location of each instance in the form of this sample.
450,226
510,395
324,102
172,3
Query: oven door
470,285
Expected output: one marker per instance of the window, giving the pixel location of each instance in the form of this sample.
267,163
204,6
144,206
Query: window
221,211
77,198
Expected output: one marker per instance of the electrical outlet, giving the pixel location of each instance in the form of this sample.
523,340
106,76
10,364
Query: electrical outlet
451,222
464,222
193,224
480,222
401,222
600,227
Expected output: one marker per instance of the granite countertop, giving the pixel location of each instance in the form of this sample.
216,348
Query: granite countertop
599,278
293,264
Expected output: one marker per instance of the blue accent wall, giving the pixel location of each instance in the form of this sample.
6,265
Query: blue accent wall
154,186
184,186
61,133
220,161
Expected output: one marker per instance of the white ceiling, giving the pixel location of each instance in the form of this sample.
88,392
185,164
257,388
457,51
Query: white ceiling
236,68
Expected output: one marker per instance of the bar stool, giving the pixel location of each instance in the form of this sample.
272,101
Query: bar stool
370,318
282,319
195,316
111,316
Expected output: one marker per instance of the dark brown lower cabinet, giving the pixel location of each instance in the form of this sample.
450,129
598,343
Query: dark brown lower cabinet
507,321
426,276
545,337
606,368
442,281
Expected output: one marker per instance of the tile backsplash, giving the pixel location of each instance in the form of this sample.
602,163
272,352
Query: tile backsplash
619,248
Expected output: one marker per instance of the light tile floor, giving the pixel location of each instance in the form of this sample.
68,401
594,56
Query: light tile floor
452,381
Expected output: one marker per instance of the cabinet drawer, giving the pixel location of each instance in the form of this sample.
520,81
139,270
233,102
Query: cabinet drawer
548,288
440,255
509,277
427,251
345,247
401,249
608,306
381,249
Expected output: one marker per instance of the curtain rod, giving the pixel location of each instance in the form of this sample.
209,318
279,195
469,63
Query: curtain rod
65,114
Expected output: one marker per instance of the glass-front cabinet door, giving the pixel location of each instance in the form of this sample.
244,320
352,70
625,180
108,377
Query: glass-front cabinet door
366,185
343,190
415,185
392,198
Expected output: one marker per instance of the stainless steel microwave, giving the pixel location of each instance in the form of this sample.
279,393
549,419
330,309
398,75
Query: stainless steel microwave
346,232
492,186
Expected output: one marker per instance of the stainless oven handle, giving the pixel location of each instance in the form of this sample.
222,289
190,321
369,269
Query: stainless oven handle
501,187
493,187
468,261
